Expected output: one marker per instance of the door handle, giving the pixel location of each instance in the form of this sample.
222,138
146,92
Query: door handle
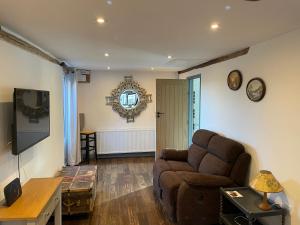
158,114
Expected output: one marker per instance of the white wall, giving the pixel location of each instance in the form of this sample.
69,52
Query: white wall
20,69
269,129
100,117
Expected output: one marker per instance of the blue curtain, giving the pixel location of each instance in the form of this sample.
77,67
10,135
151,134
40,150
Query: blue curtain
71,129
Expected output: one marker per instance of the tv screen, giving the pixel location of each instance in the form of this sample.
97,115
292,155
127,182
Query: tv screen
31,118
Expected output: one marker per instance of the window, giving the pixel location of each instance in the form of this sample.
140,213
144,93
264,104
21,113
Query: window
194,105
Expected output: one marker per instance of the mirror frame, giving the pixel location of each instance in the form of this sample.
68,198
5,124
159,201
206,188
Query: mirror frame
114,99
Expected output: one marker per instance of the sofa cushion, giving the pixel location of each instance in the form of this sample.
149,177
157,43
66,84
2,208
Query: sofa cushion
225,148
179,166
202,137
204,180
169,183
161,166
211,164
195,155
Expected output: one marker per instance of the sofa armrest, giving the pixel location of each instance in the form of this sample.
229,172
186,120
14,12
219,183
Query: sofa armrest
205,180
172,154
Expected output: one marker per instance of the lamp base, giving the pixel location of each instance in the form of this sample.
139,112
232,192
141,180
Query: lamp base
264,205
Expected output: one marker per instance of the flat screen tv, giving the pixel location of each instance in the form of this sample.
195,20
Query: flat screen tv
31,118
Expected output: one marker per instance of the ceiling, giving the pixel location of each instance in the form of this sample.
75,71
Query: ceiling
140,34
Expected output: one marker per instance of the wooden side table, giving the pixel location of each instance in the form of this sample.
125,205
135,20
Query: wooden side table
89,138
40,198
244,210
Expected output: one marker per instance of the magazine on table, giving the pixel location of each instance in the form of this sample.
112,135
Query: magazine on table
234,194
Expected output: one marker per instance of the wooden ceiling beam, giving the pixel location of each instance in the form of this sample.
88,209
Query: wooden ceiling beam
10,38
217,60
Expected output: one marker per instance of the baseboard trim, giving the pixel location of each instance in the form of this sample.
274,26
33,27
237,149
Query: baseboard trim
126,155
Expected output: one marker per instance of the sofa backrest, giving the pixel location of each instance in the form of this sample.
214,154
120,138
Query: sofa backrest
240,170
221,156
213,154
202,137
198,149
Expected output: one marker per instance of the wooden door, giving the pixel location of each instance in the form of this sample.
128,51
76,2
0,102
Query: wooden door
171,114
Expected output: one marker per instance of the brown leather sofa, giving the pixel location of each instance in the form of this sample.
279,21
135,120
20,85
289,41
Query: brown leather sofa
187,182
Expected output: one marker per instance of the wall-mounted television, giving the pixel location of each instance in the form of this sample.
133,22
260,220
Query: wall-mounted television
31,119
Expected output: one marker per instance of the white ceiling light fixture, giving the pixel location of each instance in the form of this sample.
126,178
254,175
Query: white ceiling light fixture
214,26
109,2
228,7
108,68
152,68
169,57
106,54
100,20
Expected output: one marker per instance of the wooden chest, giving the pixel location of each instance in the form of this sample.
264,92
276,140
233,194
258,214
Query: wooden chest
78,189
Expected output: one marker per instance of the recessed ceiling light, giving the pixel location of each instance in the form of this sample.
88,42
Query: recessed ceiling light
100,20
106,54
109,2
108,68
152,68
215,26
228,7
169,57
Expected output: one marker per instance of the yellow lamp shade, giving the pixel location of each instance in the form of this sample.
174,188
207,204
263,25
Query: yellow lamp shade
266,182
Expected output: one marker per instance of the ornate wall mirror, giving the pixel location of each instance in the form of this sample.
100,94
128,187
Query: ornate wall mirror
129,99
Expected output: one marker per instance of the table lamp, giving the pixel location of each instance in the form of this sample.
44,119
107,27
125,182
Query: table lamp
265,182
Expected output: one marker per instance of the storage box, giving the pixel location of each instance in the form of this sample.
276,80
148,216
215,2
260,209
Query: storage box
78,189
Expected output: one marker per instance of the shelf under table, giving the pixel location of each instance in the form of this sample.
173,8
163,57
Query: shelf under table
229,219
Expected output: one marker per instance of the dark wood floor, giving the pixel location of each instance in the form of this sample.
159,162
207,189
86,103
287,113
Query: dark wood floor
124,195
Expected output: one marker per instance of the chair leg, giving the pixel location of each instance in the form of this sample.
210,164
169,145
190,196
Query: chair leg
95,143
87,148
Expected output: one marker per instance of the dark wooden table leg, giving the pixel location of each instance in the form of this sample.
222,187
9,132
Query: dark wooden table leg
87,148
95,143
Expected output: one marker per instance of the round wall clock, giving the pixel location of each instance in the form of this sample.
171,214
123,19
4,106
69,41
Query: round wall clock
235,80
256,89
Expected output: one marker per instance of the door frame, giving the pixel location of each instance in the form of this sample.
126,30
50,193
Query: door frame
190,110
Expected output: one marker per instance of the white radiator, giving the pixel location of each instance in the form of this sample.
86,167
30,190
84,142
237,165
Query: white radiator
125,141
